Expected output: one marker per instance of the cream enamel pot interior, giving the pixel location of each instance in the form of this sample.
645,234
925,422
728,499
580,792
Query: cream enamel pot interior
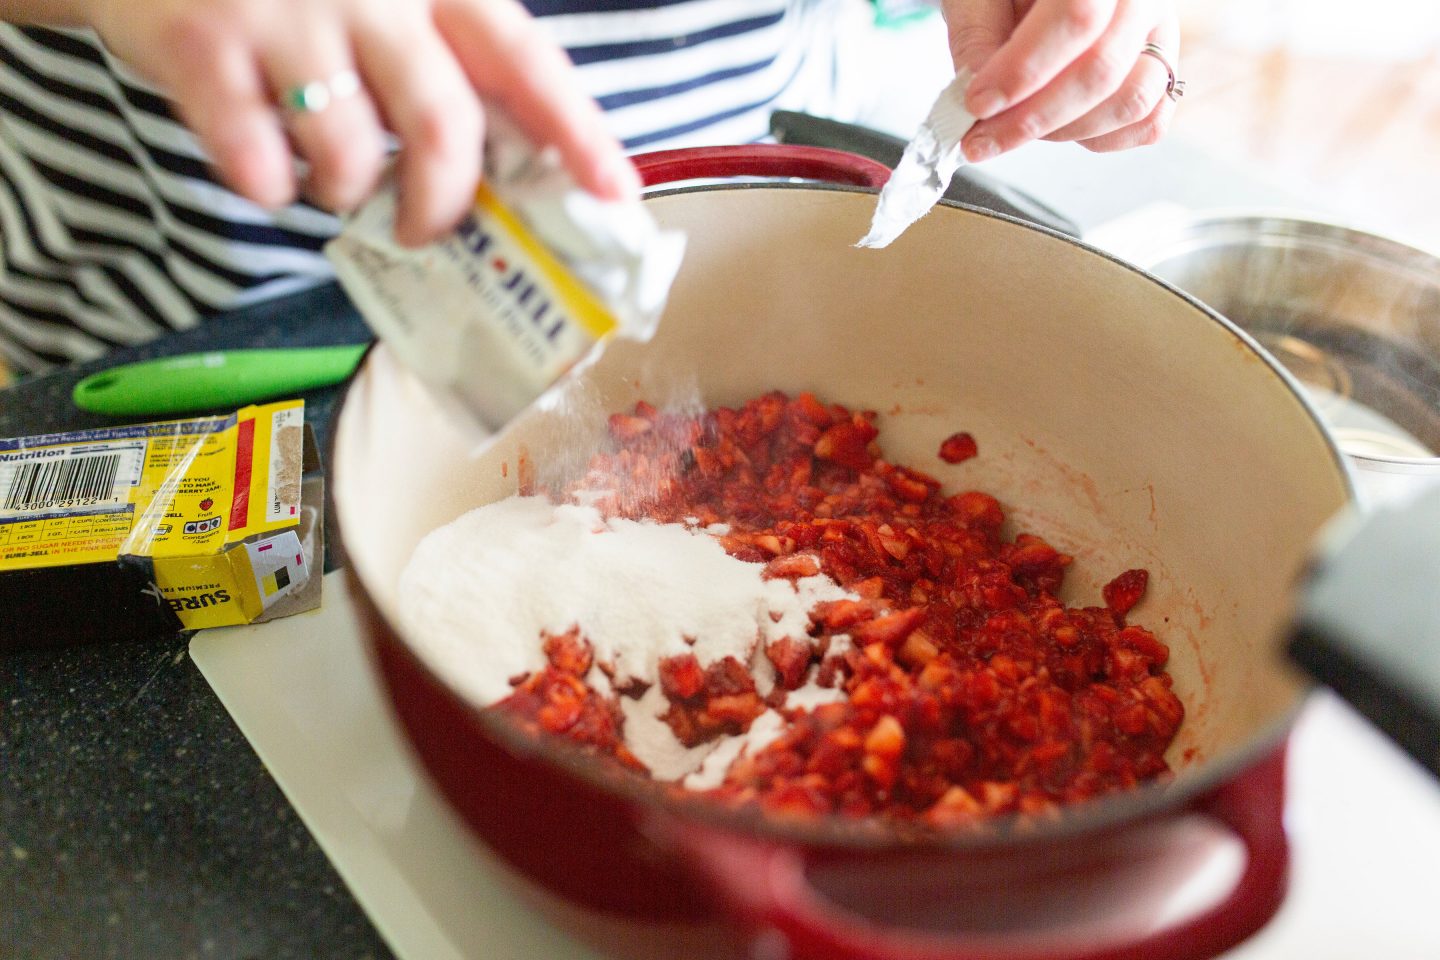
1126,423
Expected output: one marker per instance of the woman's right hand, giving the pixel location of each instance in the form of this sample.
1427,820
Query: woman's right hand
427,70
1064,70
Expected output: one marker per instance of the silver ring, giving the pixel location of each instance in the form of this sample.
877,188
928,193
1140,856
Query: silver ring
1174,88
317,95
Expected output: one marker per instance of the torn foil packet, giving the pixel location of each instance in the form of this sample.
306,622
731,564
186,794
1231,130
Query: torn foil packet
925,169
523,291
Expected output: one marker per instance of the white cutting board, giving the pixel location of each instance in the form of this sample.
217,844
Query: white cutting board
301,690
1365,820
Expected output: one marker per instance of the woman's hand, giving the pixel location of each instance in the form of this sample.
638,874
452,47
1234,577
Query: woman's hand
1063,70
426,69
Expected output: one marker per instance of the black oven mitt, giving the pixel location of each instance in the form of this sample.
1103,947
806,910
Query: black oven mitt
1368,623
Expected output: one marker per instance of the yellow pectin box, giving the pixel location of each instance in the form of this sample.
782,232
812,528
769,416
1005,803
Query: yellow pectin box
196,521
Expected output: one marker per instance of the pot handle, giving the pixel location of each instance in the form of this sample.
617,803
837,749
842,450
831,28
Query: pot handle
766,884
760,160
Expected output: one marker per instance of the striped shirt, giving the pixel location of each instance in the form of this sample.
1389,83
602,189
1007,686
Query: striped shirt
113,229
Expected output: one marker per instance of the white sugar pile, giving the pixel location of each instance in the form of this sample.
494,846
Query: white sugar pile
480,592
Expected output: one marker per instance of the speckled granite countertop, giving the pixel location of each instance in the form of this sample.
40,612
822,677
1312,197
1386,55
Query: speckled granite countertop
135,820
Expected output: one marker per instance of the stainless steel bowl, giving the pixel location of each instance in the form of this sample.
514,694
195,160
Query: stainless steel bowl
1355,316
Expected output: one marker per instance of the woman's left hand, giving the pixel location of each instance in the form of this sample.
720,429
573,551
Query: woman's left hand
1064,70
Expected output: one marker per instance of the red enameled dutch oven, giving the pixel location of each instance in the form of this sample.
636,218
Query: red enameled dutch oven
1121,420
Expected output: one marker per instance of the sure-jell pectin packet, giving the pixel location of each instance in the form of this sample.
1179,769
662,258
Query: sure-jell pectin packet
527,288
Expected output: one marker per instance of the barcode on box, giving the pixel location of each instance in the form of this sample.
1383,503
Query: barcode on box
71,482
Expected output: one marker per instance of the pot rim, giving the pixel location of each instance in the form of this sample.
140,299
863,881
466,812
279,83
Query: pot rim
1007,831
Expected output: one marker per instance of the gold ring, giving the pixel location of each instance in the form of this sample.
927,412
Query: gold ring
317,95
1174,88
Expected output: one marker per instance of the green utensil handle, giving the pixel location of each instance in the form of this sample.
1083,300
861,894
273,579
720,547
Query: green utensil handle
208,381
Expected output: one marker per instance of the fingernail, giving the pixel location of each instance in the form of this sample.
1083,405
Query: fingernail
980,149
986,103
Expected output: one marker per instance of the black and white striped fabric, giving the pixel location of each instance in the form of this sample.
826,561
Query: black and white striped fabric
113,230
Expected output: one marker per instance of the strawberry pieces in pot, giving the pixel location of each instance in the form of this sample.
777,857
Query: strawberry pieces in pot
958,447
704,704
848,444
969,688
556,700
1122,593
